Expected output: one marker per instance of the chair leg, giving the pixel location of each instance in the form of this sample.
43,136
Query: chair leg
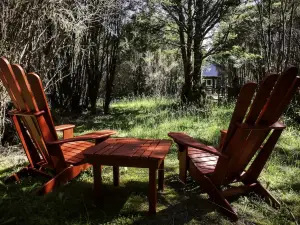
217,197
152,192
264,193
183,163
116,175
26,171
17,176
214,193
97,189
161,175
63,177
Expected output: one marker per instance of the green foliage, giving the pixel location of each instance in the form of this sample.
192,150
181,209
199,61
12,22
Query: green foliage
238,55
148,64
262,40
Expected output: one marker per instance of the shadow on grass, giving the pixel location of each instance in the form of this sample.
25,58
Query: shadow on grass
121,119
10,170
126,119
288,156
74,203
192,209
117,119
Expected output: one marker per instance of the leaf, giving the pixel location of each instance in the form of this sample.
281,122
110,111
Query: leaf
2,185
10,220
60,196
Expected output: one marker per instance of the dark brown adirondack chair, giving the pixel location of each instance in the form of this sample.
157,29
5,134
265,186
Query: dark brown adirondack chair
36,130
245,148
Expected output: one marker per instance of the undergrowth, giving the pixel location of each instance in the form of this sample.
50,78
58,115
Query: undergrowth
128,204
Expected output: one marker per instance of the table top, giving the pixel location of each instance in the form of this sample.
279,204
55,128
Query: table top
129,152
131,147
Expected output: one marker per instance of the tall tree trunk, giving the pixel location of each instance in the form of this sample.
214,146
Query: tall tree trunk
198,57
111,73
186,51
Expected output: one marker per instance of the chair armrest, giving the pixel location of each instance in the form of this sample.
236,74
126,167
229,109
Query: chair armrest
64,127
183,139
67,129
85,137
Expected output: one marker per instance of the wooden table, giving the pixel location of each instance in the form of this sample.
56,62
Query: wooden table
130,152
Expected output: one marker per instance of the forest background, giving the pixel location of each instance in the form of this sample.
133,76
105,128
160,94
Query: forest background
135,66
95,51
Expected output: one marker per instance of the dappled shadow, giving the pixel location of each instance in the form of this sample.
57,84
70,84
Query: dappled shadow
195,209
187,109
288,156
75,202
118,118
126,119
10,170
189,206
296,186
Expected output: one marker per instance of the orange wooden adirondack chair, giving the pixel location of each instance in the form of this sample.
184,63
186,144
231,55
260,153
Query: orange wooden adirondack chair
254,123
36,130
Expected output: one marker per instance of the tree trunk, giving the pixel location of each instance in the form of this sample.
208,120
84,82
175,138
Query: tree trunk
198,57
111,74
186,50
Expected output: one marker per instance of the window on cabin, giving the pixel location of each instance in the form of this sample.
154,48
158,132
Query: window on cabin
208,82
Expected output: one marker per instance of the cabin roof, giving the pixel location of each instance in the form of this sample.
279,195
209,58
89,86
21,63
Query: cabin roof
210,71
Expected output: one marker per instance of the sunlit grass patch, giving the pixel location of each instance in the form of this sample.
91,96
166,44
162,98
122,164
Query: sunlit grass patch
128,204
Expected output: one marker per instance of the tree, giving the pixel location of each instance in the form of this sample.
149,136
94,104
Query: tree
264,38
196,21
68,43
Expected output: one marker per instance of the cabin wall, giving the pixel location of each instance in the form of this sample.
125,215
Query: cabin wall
211,84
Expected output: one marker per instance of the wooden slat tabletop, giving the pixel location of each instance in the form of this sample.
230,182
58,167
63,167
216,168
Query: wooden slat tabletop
130,147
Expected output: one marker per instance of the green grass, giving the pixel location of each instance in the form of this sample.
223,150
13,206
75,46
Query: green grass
127,204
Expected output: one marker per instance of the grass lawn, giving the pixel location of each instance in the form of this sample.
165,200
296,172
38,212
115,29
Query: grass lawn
128,204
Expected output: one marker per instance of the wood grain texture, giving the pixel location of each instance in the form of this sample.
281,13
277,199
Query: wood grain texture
186,140
133,152
240,110
253,123
33,121
152,193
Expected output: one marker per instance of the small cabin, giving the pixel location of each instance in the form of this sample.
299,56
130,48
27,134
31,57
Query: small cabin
210,76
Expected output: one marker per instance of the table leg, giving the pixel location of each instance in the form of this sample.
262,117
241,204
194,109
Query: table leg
161,174
152,197
116,175
97,169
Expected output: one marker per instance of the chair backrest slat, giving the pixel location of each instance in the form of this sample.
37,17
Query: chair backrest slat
27,99
248,144
283,85
233,134
12,85
265,89
24,88
33,98
272,98
288,97
240,110
41,100
278,101
5,84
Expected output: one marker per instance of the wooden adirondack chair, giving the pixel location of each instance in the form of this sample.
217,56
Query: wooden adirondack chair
36,130
245,148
